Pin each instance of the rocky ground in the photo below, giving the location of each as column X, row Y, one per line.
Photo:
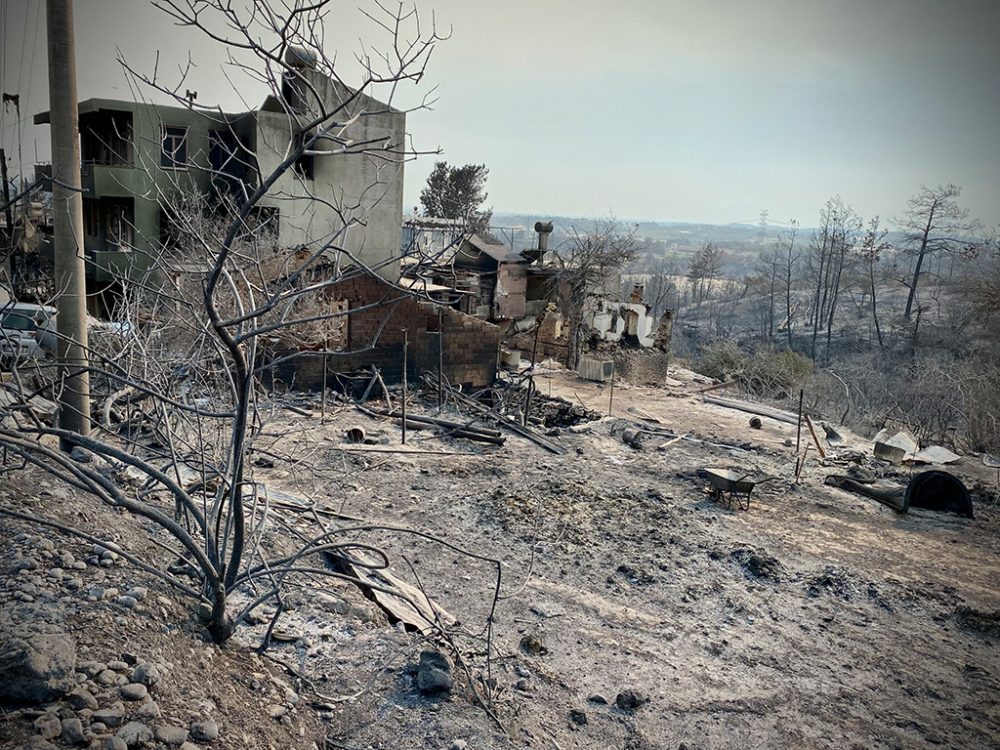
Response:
column 634, row 611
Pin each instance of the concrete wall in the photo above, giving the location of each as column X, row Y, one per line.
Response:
column 365, row 185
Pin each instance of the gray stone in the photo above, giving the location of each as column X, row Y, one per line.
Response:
column 459, row 745
column 133, row 691
column 115, row 743
column 137, row 592
column 117, row 665
column 72, row 732
column 578, row 717
column 434, row 673
column 630, row 700
column 148, row 711
column 128, row 602
column 205, row 731
column 25, row 563
column 111, row 716
column 171, row 735
column 48, row 725
column 135, row 733
column 276, row 711
column 81, row 454
column 146, row 674
column 36, row 668
column 190, row 746
column 107, row 678
column 92, row 668
column 80, row 698
column 37, row 742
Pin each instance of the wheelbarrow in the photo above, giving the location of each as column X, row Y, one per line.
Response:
column 731, row 488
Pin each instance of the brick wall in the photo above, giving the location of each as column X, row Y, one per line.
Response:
column 375, row 337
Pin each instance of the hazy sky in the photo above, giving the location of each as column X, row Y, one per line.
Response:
column 706, row 110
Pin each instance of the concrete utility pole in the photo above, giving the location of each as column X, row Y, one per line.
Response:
column 67, row 205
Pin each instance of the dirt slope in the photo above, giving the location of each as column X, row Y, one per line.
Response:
column 816, row 619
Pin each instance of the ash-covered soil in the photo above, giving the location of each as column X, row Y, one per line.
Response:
column 634, row 612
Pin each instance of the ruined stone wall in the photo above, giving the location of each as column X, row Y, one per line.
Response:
column 375, row 337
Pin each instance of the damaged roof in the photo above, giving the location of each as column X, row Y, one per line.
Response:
column 495, row 249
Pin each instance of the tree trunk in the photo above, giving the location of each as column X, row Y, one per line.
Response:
column 916, row 271
column 878, row 329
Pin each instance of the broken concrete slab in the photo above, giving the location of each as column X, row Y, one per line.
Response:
column 895, row 447
column 933, row 454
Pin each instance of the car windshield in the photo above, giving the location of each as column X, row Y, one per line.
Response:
column 15, row 322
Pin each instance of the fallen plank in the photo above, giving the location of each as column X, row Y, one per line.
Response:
column 717, row 386
column 751, row 408
column 409, row 606
column 644, row 415
column 390, row 449
column 402, row 601
column 40, row 406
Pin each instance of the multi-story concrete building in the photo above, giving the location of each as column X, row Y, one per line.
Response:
column 138, row 156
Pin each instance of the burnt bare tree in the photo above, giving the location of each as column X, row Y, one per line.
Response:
column 933, row 225
column 184, row 405
column 829, row 256
column 588, row 266
column 790, row 260
column 872, row 251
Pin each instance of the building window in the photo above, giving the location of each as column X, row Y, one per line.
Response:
column 119, row 227
column 305, row 165
column 91, row 218
column 174, row 152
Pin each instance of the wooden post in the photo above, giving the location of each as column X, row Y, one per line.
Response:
column 322, row 407
column 611, row 398
column 798, row 427
column 440, row 387
column 406, row 343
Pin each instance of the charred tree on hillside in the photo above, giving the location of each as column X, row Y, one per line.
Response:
column 829, row 254
column 872, row 249
column 789, row 267
column 934, row 224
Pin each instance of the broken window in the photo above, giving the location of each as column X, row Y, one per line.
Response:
column 106, row 138
column 174, row 151
column 305, row 165
column 91, row 218
column 119, row 226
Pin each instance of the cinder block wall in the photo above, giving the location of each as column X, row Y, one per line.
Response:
column 375, row 337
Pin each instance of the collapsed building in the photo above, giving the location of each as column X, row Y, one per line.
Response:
column 521, row 290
